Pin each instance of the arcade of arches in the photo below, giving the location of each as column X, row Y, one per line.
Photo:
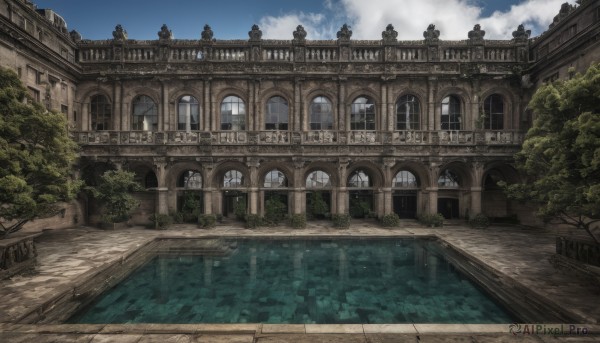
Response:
column 455, row 189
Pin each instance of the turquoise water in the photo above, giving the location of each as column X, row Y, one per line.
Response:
column 325, row 282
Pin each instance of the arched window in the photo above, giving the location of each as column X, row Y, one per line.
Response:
column 363, row 114
column 233, row 114
column 275, row 179
column 144, row 113
column 101, row 113
column 318, row 179
column 233, row 179
column 359, row 179
column 277, row 114
column 451, row 113
column 493, row 108
column 188, row 113
column 321, row 114
column 448, row 179
column 408, row 112
column 190, row 179
column 405, row 179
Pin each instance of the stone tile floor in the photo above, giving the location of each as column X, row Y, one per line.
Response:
column 66, row 256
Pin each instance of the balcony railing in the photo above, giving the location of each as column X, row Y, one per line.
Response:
column 322, row 137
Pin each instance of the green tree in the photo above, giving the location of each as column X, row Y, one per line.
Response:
column 561, row 153
column 36, row 158
column 114, row 192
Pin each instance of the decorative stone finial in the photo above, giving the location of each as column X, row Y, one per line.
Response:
column 389, row 35
column 75, row 36
column 255, row 34
column 344, row 33
column 476, row 35
column 521, row 35
column 431, row 35
column 565, row 9
column 299, row 34
column 207, row 34
column 165, row 33
column 119, row 34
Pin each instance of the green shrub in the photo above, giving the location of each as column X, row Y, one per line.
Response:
column 161, row 221
column 298, row 221
column 341, row 221
column 207, row 221
column 480, row 221
column 317, row 207
column 275, row 211
column 178, row 217
column 253, row 221
column 190, row 207
column 390, row 220
column 359, row 208
column 431, row 219
column 240, row 209
column 219, row 217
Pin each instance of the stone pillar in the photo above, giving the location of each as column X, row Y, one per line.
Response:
column 391, row 106
column 296, row 124
column 342, row 197
column 474, row 108
column 431, row 108
column 123, row 113
column 164, row 124
column 85, row 119
column 208, row 190
column 433, row 199
column 299, row 191
column 207, row 114
column 388, row 163
column 117, row 99
column 476, row 188
column 253, row 189
column 341, row 124
column 162, row 189
column 383, row 124
column 379, row 202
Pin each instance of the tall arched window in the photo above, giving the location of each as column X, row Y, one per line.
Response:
column 359, row 179
column 321, row 114
column 405, row 179
column 451, row 113
column 408, row 112
column 101, row 113
column 233, row 179
column 277, row 114
column 275, row 179
column 233, row 114
column 448, row 179
column 363, row 114
column 493, row 107
column 318, row 179
column 144, row 114
column 190, row 179
column 188, row 113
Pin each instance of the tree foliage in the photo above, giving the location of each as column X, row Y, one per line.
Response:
column 114, row 191
column 561, row 152
column 36, row 157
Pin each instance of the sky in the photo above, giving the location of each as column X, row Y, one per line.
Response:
column 232, row 19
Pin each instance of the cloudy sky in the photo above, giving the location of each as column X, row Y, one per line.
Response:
column 231, row 19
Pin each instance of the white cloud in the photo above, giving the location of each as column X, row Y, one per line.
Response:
column 454, row 19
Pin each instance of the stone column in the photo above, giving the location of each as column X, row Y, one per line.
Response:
column 476, row 188
column 253, row 189
column 299, row 191
column 379, row 202
column 391, row 117
column 431, row 108
column 341, row 124
column 123, row 113
column 384, row 120
column 207, row 115
column 208, row 190
column 297, row 120
column 117, row 99
column 342, row 197
column 434, row 169
column 164, row 124
column 388, row 163
column 162, row 189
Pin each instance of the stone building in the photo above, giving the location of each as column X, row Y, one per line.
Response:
column 389, row 126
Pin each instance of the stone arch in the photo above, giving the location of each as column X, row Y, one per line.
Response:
column 83, row 99
column 494, row 202
column 417, row 168
column 373, row 169
column 225, row 166
column 175, row 170
column 327, row 167
column 454, row 202
column 269, row 166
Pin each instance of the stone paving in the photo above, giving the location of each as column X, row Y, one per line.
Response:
column 69, row 256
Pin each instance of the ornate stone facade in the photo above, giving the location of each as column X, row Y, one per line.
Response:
column 409, row 127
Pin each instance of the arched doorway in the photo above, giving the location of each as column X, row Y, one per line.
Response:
column 190, row 198
column 235, row 201
column 275, row 196
column 448, row 194
column 318, row 195
column 360, row 192
column 404, row 197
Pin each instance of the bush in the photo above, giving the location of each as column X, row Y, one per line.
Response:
column 317, row 207
column 359, row 208
column 178, row 217
column 219, row 217
column 480, row 221
column 161, row 221
column 275, row 211
column 240, row 209
column 390, row 220
column 207, row 221
column 253, row 221
column 190, row 208
column 298, row 221
column 341, row 221
column 432, row 219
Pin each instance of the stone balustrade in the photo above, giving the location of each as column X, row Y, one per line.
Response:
column 320, row 137
column 17, row 254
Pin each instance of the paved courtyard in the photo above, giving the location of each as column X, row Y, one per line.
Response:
column 66, row 257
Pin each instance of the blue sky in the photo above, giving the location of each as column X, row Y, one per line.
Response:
column 232, row 19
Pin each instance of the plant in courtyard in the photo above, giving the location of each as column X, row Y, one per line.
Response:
column 359, row 208
column 390, row 220
column 341, row 221
column 240, row 209
column 207, row 221
column 434, row 220
column 298, row 221
column 161, row 221
column 253, row 221
column 190, row 207
column 561, row 153
column 317, row 207
column 480, row 221
column 36, row 157
column 114, row 192
column 275, row 211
